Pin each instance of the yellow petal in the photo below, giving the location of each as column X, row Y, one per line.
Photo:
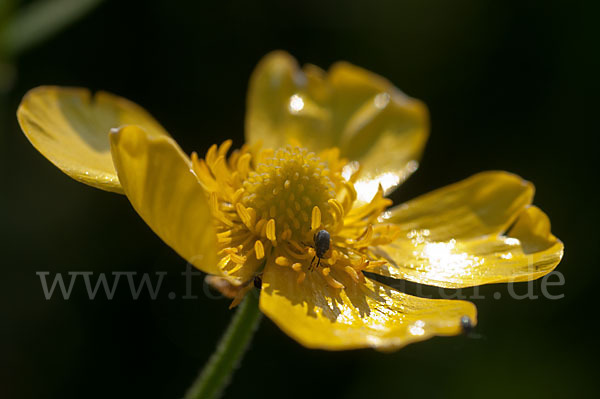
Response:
column 459, row 236
column 360, row 112
column 484, row 203
column 70, row 128
column 360, row 315
column 157, row 179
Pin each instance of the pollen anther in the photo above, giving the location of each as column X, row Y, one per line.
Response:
column 316, row 218
column 282, row 261
column 271, row 230
column 259, row 249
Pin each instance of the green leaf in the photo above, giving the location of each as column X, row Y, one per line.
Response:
column 38, row 21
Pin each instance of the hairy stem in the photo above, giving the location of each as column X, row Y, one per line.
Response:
column 217, row 373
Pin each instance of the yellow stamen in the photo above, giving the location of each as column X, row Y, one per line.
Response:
column 333, row 282
column 287, row 234
column 375, row 263
column 225, row 147
column 282, row 261
column 302, row 254
column 301, row 277
column 244, row 215
column 221, row 173
column 229, row 250
column 211, row 154
column 258, row 228
column 237, row 267
column 360, row 264
column 263, row 230
column 297, row 247
column 352, row 273
column 259, row 249
column 337, row 211
column 271, row 230
column 365, row 237
column 237, row 195
column 243, row 165
column 316, row 218
column 224, row 261
column 216, row 211
column 238, row 259
column 224, row 240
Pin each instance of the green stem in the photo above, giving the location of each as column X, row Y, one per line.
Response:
column 217, row 373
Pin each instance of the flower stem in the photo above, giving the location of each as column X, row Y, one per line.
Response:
column 217, row 373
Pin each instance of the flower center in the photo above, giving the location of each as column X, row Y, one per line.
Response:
column 287, row 187
column 267, row 206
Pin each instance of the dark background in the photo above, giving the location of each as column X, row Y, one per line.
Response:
column 510, row 85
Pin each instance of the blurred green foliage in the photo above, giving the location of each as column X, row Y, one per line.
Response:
column 24, row 27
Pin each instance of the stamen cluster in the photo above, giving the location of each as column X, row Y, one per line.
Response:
column 268, row 204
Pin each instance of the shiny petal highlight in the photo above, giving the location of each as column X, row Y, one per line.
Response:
column 461, row 235
column 70, row 128
column 360, row 112
column 359, row 315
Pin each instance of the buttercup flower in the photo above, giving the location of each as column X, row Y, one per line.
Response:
column 323, row 150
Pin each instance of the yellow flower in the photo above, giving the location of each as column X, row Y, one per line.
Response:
column 324, row 148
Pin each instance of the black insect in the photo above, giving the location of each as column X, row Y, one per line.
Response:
column 258, row 281
column 322, row 242
column 466, row 324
